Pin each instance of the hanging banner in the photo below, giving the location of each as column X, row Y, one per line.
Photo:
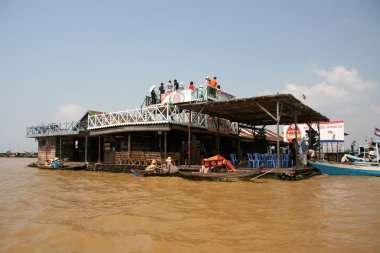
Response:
column 178, row 96
column 224, row 125
column 329, row 131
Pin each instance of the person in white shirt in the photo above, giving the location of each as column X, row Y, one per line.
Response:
column 169, row 86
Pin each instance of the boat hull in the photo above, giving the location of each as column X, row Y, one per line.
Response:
column 347, row 169
column 143, row 173
column 223, row 177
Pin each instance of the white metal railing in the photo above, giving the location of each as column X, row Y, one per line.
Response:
column 205, row 93
column 153, row 114
column 51, row 129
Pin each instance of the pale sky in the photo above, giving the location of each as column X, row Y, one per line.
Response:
column 61, row 58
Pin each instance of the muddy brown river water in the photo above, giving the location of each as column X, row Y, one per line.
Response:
column 74, row 211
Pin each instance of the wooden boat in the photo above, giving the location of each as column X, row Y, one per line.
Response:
column 354, row 169
column 223, row 177
column 143, row 173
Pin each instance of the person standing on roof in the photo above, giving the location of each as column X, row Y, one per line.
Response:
column 213, row 85
column 176, row 85
column 169, row 85
column 200, row 91
column 162, row 90
column 153, row 96
column 207, row 86
column 191, row 85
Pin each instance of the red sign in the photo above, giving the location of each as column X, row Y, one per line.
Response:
column 291, row 133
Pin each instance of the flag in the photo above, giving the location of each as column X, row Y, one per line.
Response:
column 303, row 96
column 377, row 132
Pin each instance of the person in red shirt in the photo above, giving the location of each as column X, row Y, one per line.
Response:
column 191, row 85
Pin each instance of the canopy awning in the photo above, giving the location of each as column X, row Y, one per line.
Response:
column 258, row 111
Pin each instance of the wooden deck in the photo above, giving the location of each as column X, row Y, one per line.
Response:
column 291, row 174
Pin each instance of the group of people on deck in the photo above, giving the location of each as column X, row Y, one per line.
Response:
column 210, row 84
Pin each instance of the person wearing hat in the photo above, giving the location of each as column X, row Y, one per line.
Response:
column 172, row 169
column 181, row 86
column 56, row 163
column 152, row 167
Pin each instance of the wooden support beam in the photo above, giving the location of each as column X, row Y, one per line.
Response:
column 99, row 149
column 267, row 112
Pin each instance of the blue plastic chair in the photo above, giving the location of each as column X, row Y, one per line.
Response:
column 257, row 160
column 233, row 160
column 285, row 160
column 250, row 160
column 271, row 162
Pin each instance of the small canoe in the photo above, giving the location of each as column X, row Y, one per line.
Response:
column 222, row 177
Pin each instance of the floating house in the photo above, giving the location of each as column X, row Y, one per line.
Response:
column 187, row 125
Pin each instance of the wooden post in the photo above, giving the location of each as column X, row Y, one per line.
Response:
column 60, row 147
column 238, row 144
column 278, row 133
column 218, row 139
column 85, row 148
column 129, row 145
column 189, row 140
column 165, row 144
column 296, row 144
column 99, row 149
column 254, row 137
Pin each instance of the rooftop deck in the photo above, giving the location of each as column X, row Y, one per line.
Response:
column 162, row 113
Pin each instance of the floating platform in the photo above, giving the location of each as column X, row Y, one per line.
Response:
column 291, row 174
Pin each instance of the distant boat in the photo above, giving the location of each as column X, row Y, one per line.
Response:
column 353, row 169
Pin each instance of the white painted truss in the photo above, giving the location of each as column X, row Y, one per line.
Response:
column 53, row 129
column 153, row 114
